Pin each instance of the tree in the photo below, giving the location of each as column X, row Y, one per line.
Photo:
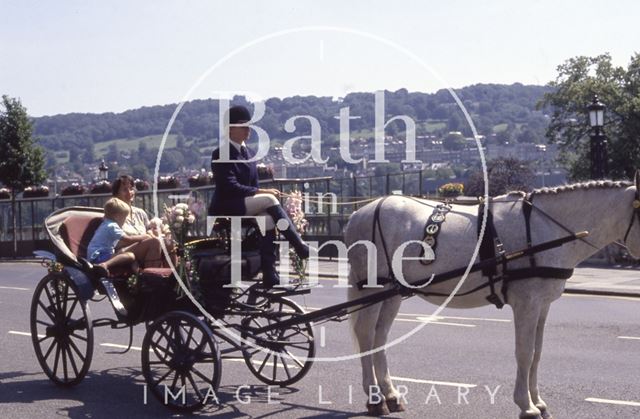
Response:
column 505, row 174
column 453, row 142
column 21, row 162
column 578, row 80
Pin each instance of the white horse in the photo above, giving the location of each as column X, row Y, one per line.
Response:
column 603, row 208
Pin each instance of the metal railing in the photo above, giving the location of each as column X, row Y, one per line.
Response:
column 326, row 220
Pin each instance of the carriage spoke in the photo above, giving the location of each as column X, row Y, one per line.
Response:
column 275, row 365
column 201, row 375
column 195, row 387
column 41, row 322
column 65, row 299
column 157, row 383
column 73, row 362
column 78, row 337
column 183, row 382
column 174, row 382
column 295, row 359
column 73, row 306
column 299, row 346
column 55, row 362
column 64, row 361
column 53, row 343
column 52, row 303
column 286, row 368
column 264, row 362
column 77, row 351
column 42, row 339
column 46, row 310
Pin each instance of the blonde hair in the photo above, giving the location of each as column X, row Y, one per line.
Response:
column 114, row 207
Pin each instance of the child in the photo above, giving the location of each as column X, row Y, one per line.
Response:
column 101, row 249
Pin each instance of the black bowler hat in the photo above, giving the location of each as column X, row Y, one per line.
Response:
column 238, row 115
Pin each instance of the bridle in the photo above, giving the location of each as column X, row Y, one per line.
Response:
column 636, row 207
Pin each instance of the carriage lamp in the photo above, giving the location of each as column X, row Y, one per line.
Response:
column 598, row 140
column 104, row 171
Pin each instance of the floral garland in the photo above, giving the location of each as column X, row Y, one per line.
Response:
column 293, row 207
column 179, row 218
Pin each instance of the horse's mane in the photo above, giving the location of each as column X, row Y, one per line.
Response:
column 592, row 184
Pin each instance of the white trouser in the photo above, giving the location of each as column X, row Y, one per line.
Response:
column 258, row 204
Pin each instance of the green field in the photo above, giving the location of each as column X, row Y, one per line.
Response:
column 130, row 144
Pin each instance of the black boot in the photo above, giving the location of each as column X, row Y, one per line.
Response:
column 268, row 258
column 291, row 234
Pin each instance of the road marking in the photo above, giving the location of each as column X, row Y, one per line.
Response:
column 629, row 337
column 459, row 318
column 485, row 319
column 14, row 288
column 431, row 321
column 439, row 383
column 614, row 297
column 15, row 332
column 607, row 401
column 116, row 345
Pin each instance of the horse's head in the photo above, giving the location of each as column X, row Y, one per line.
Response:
column 632, row 235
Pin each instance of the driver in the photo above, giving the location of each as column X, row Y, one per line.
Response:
column 237, row 193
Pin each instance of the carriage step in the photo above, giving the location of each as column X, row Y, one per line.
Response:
column 113, row 296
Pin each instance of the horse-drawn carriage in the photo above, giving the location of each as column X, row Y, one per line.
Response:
column 180, row 348
column 181, row 357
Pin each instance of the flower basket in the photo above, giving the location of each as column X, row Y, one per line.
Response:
column 451, row 190
column 141, row 185
column 73, row 189
column 35, row 191
column 104, row 186
column 265, row 172
column 201, row 179
column 5, row 193
column 168, row 182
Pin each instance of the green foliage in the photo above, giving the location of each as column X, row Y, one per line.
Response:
column 504, row 174
column 578, row 80
column 453, row 142
column 21, row 162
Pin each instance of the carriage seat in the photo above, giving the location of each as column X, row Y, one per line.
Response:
column 78, row 230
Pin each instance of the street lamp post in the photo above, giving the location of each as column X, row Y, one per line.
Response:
column 104, row 171
column 598, row 140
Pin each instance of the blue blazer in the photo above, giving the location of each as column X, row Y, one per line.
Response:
column 234, row 182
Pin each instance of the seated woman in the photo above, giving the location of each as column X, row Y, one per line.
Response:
column 101, row 249
column 149, row 251
column 237, row 193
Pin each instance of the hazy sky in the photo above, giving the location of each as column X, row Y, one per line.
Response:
column 109, row 56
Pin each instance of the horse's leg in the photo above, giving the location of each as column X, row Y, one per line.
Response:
column 387, row 314
column 526, row 312
column 364, row 328
column 533, row 373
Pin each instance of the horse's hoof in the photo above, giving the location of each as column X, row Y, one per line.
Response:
column 377, row 409
column 544, row 412
column 395, row 405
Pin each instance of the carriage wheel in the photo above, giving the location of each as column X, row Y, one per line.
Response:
column 181, row 362
column 284, row 355
column 61, row 330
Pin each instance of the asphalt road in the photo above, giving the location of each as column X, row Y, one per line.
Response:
column 590, row 366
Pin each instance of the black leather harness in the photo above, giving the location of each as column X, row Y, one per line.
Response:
column 492, row 253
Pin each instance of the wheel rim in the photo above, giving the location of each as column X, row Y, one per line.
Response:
column 284, row 355
column 61, row 330
column 181, row 362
